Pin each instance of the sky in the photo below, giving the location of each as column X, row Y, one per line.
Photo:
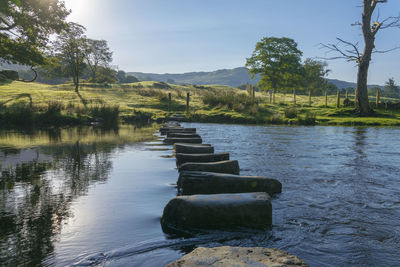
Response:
column 176, row 36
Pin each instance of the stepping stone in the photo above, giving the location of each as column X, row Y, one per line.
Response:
column 226, row 166
column 193, row 148
column 238, row 256
column 183, row 135
column 171, row 141
column 219, row 211
column 166, row 130
column 191, row 183
column 182, row 158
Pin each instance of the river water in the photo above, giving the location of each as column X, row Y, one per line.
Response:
column 89, row 197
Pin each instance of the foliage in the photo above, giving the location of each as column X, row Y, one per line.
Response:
column 391, row 89
column 314, row 76
column 237, row 102
column 291, row 112
column 308, row 118
column 97, row 55
column 25, row 28
column 277, row 60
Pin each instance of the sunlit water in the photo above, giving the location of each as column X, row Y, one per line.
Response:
column 89, row 197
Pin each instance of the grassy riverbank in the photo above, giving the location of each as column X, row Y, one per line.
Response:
column 52, row 105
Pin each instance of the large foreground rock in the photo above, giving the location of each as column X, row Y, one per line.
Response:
column 193, row 148
column 226, row 166
column 182, row 158
column 183, row 135
column 238, row 256
column 190, row 183
column 171, row 141
column 219, row 211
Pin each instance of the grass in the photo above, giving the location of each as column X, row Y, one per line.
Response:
column 143, row 101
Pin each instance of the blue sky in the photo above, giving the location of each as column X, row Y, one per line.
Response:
column 175, row 36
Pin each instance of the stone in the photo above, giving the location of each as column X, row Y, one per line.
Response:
column 191, row 183
column 183, row 135
column 238, row 256
column 217, row 211
column 193, row 148
column 166, row 130
column 226, row 166
column 182, row 158
column 173, row 140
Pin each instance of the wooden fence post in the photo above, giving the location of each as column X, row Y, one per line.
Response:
column 187, row 101
column 347, row 94
column 378, row 97
column 273, row 96
column 326, row 99
column 294, row 96
column 270, row 96
column 309, row 98
column 338, row 99
column 169, row 102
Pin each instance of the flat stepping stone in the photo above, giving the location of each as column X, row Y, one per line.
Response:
column 238, row 256
column 226, row 166
column 173, row 140
column 182, row 158
column 193, row 148
column 191, row 183
column 218, row 211
column 183, row 135
column 166, row 130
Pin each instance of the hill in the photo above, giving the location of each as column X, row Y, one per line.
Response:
column 231, row 77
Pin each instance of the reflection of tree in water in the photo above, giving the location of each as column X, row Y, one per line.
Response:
column 35, row 198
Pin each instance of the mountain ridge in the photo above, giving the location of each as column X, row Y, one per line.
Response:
column 232, row 77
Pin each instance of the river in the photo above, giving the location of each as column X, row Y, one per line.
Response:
column 90, row 197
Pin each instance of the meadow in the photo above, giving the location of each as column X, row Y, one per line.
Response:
column 58, row 105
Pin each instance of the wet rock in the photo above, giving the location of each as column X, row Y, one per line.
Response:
column 218, row 211
column 182, row 158
column 166, row 130
column 190, row 183
column 226, row 166
column 173, row 140
column 238, row 256
column 193, row 148
column 182, row 135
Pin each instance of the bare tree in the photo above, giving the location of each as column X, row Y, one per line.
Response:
column 351, row 52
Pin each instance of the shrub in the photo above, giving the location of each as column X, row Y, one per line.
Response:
column 308, row 118
column 275, row 119
column 231, row 100
column 291, row 113
column 109, row 114
column 161, row 85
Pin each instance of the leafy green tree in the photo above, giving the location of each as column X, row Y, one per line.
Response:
column 331, row 88
column 25, row 29
column 314, row 75
column 131, row 79
column 278, row 61
column 121, row 76
column 391, row 89
column 106, row 75
column 373, row 90
column 97, row 54
column 70, row 53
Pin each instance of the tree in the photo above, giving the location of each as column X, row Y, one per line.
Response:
column 314, row 75
column 70, row 51
column 278, row 61
column 106, row 75
column 131, row 79
column 391, row 89
column 25, row 28
column 121, row 76
column 97, row 54
column 351, row 51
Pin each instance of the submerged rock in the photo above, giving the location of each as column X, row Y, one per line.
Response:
column 171, row 141
column 190, row 183
column 166, row 130
column 193, row 148
column 182, row 158
column 238, row 256
column 226, row 166
column 218, row 211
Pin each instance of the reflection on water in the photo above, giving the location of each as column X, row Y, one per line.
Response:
column 41, row 175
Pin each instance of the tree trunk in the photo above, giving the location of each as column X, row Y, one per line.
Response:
column 362, row 103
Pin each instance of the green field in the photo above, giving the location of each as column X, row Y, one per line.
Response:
column 209, row 103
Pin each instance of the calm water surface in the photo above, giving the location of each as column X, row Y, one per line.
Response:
column 88, row 197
